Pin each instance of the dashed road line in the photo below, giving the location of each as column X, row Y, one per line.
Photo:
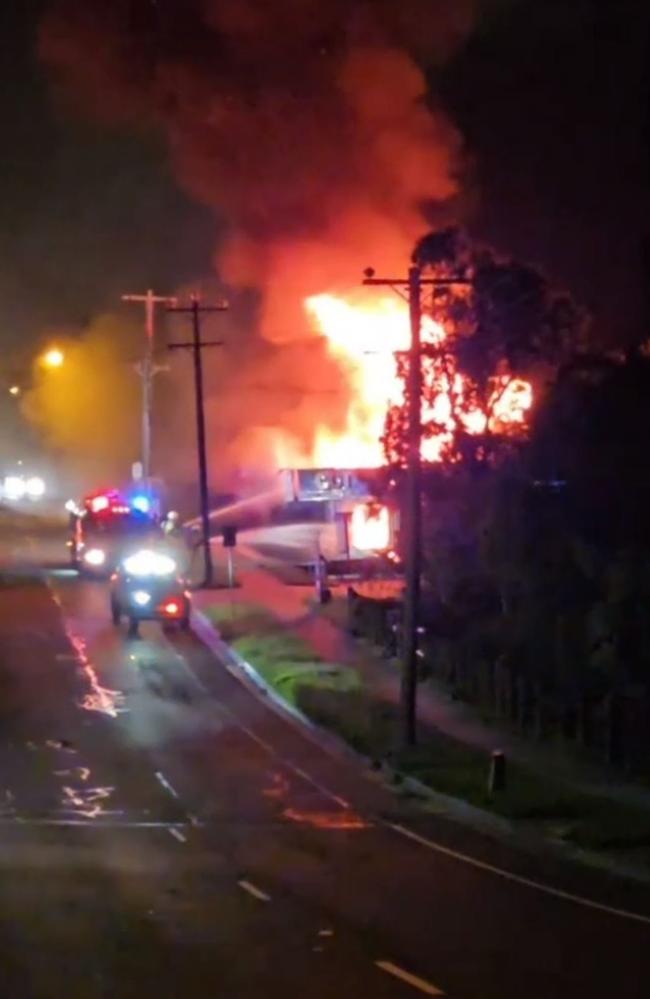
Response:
column 165, row 783
column 418, row 983
column 177, row 834
column 399, row 829
column 482, row 865
column 254, row 891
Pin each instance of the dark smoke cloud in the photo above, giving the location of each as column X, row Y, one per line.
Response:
column 304, row 125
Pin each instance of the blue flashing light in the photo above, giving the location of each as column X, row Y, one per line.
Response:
column 141, row 503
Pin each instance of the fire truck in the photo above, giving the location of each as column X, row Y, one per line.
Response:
column 102, row 526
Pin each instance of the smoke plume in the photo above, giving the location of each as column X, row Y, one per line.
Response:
column 306, row 127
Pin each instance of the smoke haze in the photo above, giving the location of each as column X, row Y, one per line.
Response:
column 87, row 409
column 305, row 127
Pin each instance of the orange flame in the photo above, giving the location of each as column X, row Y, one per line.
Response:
column 370, row 527
column 365, row 335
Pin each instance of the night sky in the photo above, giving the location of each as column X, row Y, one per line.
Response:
column 550, row 98
column 553, row 99
column 86, row 212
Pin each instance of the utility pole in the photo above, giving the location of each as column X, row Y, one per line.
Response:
column 196, row 345
column 413, row 507
column 146, row 370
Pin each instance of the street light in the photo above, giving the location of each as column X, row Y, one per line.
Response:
column 14, row 390
column 53, row 358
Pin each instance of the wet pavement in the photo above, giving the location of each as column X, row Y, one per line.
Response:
column 164, row 834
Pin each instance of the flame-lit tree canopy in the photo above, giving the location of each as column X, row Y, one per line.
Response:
column 491, row 343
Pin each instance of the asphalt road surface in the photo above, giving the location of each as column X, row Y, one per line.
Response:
column 165, row 834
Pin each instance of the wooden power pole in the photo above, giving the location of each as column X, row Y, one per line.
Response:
column 196, row 345
column 413, row 286
column 146, row 370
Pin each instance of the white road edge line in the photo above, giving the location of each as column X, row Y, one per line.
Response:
column 482, row 865
column 406, row 976
column 402, row 830
column 165, row 783
column 177, row 834
column 253, row 736
column 255, row 892
column 17, row 820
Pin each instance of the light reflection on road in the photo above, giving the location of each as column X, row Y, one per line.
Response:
column 339, row 818
column 81, row 773
column 326, row 820
column 101, row 699
column 87, row 802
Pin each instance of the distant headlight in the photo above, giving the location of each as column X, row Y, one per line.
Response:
column 14, row 487
column 35, row 487
column 94, row 556
column 146, row 563
column 141, row 598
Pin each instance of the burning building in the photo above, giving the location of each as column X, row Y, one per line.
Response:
column 310, row 132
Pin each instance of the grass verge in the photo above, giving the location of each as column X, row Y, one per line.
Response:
column 335, row 697
column 283, row 659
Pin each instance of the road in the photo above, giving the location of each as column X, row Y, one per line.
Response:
column 165, row 834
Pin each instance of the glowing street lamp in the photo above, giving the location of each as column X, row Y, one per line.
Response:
column 14, row 390
column 53, row 358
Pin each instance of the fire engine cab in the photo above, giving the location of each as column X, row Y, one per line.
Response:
column 102, row 528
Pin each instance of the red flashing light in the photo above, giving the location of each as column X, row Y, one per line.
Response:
column 105, row 502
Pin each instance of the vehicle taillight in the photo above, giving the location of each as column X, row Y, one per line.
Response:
column 172, row 608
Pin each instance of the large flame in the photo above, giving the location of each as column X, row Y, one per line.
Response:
column 370, row 527
column 365, row 335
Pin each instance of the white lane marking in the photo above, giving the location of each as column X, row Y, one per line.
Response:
column 262, row 743
column 330, row 794
column 177, row 834
column 482, row 865
column 18, row 820
column 255, row 892
column 165, row 783
column 430, row 844
column 406, row 976
column 401, row 830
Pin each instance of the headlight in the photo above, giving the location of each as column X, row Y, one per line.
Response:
column 14, row 487
column 141, row 598
column 35, row 487
column 94, row 556
column 146, row 563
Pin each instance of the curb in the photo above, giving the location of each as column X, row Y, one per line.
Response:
column 395, row 780
column 242, row 670
column 454, row 809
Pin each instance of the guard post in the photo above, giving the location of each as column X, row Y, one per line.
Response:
column 229, row 534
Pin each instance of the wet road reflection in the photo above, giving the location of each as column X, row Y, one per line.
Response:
column 87, row 802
